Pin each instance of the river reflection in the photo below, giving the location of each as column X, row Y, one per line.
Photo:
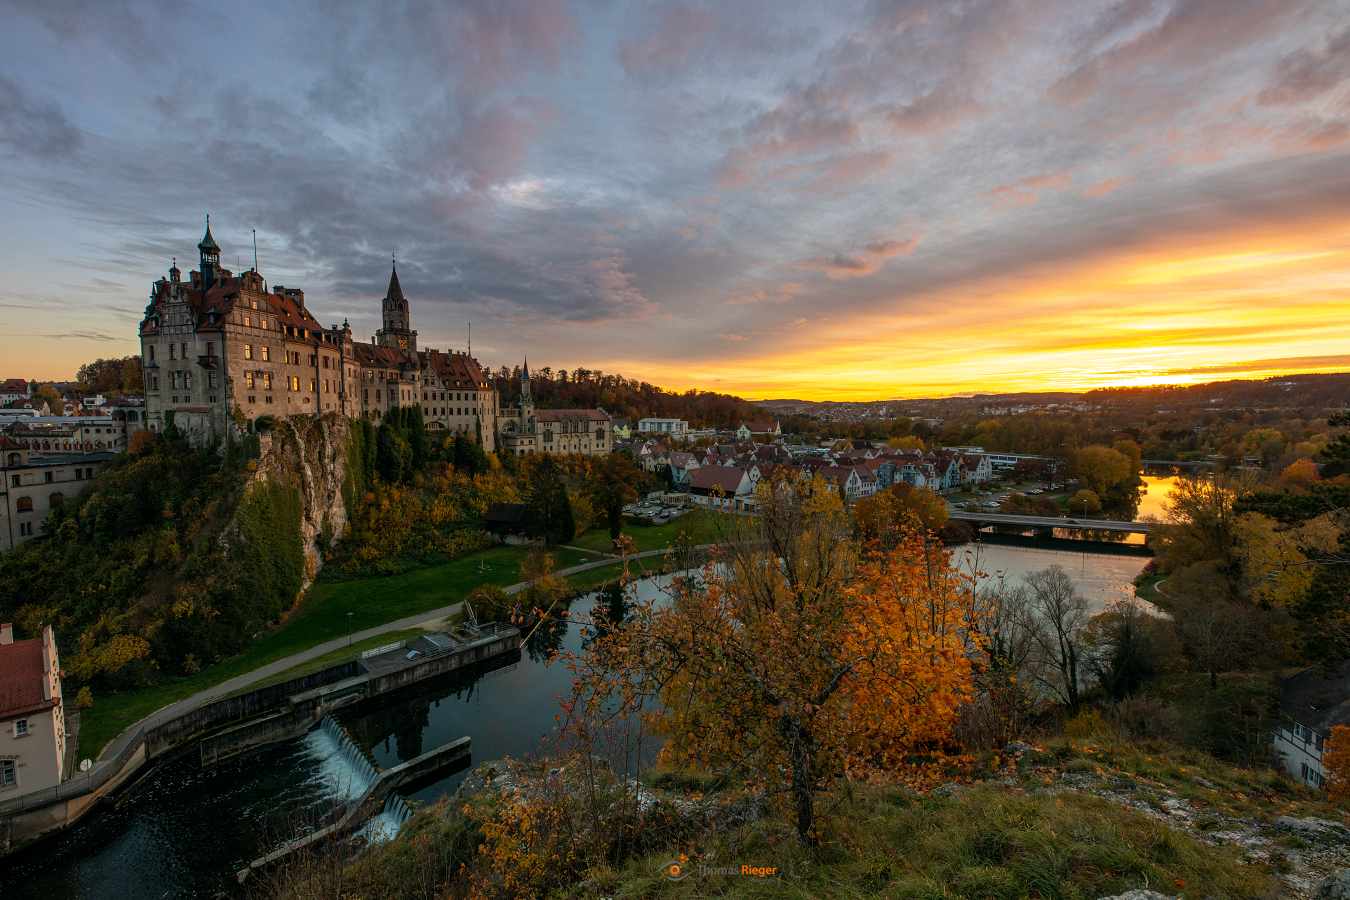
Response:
column 1102, row 578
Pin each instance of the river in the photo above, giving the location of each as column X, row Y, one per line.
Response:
column 183, row 833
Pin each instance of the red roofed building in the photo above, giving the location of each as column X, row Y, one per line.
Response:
column 720, row 486
column 32, row 720
column 589, row 432
column 750, row 429
column 219, row 346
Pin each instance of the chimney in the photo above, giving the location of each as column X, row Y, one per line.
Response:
column 6, row 633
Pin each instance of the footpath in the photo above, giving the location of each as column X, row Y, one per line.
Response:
column 214, row 693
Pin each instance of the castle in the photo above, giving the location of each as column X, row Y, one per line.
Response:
column 220, row 350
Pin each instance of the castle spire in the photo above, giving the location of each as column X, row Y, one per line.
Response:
column 395, row 291
column 210, row 260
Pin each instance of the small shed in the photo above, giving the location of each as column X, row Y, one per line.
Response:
column 505, row 521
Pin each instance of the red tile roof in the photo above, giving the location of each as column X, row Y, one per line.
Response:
column 566, row 415
column 21, row 677
column 727, row 478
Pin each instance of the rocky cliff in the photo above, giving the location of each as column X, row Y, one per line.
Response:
column 310, row 455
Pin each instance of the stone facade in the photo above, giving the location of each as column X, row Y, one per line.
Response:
column 589, row 432
column 220, row 350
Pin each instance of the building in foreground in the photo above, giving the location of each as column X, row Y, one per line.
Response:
column 1311, row 704
column 32, row 718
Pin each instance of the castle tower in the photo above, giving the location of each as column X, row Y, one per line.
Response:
column 526, row 401
column 396, row 332
column 210, row 250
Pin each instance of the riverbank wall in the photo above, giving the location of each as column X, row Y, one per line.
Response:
column 235, row 726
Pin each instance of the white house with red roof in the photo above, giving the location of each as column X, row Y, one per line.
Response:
column 12, row 389
column 752, row 429
column 721, row 486
column 32, row 719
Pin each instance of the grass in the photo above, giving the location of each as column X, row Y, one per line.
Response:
column 1146, row 588
column 323, row 616
column 986, row 843
column 699, row 523
column 989, row 842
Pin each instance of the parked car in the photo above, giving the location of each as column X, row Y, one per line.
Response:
column 988, row 504
column 958, row 506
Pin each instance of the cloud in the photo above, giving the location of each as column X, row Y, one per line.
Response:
column 1108, row 186
column 572, row 176
column 35, row 126
column 1307, row 74
column 1025, row 191
column 668, row 46
column 870, row 258
column 729, row 337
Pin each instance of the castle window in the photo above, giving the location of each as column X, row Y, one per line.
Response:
column 313, row 360
column 255, row 304
column 312, row 383
column 248, row 380
column 210, row 348
column 267, row 354
column 248, row 351
column 211, row 379
column 172, row 350
column 248, row 321
column 152, row 352
column 56, row 500
column 25, row 504
column 267, row 382
column 187, row 381
column 184, row 351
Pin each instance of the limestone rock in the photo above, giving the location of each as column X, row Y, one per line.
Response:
column 1335, row 886
column 1311, row 826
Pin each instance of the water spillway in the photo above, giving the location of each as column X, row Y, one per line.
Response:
column 345, row 765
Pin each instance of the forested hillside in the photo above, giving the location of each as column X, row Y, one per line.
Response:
column 625, row 398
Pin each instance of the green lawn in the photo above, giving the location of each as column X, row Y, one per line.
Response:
column 654, row 537
column 323, row 616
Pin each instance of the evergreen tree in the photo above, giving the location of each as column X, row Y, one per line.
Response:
column 416, row 426
column 548, row 512
column 613, row 482
column 368, row 451
column 393, row 455
column 468, row 456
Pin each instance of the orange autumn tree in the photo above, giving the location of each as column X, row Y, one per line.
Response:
column 1336, row 762
column 789, row 656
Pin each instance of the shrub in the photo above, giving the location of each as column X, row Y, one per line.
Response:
column 1087, row 723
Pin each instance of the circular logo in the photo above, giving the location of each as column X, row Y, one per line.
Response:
column 674, row 871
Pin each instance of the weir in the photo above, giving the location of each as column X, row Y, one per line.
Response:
column 238, row 725
column 377, row 800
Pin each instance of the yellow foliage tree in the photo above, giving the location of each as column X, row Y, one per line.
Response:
column 789, row 657
column 1336, row 762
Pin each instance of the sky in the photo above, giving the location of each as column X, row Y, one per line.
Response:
column 844, row 200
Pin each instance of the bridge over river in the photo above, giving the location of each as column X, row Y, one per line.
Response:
column 1045, row 525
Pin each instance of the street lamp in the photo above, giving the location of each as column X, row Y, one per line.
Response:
column 349, row 629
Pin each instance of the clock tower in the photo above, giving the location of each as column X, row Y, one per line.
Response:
column 396, row 332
